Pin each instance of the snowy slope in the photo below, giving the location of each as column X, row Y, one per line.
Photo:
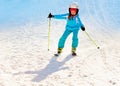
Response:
column 25, row 61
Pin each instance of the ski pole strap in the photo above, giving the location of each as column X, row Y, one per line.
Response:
column 92, row 40
column 49, row 34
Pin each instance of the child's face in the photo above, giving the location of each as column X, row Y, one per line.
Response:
column 73, row 11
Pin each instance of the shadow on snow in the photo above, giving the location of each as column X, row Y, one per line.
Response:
column 51, row 68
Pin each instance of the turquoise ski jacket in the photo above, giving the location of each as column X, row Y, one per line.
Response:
column 72, row 23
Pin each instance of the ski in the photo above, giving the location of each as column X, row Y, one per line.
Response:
column 74, row 54
column 57, row 54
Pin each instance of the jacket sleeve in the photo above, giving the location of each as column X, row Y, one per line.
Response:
column 79, row 21
column 61, row 16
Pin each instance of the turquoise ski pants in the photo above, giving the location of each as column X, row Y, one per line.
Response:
column 67, row 32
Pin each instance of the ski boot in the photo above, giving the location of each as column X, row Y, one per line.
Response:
column 74, row 52
column 59, row 52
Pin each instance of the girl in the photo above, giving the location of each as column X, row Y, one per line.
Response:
column 72, row 26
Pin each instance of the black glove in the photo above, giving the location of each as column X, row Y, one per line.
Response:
column 82, row 28
column 50, row 15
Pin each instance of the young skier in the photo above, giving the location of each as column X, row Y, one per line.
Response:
column 72, row 26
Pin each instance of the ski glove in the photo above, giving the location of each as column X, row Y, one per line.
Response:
column 82, row 28
column 50, row 15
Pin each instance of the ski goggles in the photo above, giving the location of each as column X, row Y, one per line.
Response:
column 73, row 9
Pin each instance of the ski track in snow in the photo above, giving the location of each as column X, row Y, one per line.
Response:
column 25, row 61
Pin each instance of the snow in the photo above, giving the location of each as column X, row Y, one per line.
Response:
column 26, row 61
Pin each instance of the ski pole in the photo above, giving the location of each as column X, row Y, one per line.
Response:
column 49, row 33
column 92, row 40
